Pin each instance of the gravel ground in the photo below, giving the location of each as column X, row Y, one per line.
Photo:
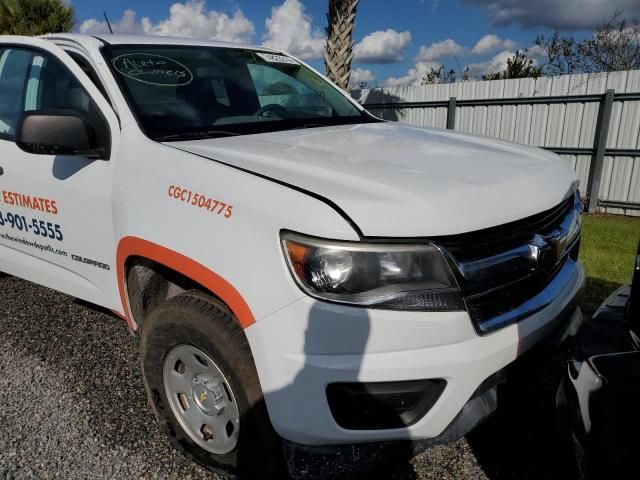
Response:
column 72, row 405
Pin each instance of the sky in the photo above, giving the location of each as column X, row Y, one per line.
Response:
column 396, row 41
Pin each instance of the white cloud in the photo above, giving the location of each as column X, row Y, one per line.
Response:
column 562, row 14
column 361, row 75
column 439, row 50
column 289, row 28
column 413, row 76
column 127, row 24
column 497, row 64
column 192, row 19
column 492, row 43
column 383, row 46
column 535, row 52
column 189, row 19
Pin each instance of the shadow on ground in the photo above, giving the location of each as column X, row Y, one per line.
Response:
column 521, row 440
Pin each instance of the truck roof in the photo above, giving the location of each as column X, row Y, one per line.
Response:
column 121, row 39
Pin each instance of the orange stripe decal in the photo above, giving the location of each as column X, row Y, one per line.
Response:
column 132, row 246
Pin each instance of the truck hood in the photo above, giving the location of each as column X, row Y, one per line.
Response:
column 395, row 180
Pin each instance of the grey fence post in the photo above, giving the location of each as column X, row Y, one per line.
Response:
column 599, row 146
column 451, row 113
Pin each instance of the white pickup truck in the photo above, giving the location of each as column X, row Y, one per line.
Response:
column 301, row 273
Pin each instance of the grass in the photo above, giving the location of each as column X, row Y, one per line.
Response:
column 608, row 250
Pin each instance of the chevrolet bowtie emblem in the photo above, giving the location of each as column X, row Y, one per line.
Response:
column 202, row 397
column 536, row 246
column 544, row 251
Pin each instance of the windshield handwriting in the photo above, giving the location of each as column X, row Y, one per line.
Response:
column 153, row 69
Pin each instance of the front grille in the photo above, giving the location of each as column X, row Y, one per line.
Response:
column 510, row 279
column 490, row 241
column 484, row 307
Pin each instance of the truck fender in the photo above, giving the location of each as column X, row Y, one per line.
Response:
column 138, row 247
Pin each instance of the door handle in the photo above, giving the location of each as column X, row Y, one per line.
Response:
column 1, row 171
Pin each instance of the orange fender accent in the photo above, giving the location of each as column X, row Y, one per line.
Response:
column 132, row 246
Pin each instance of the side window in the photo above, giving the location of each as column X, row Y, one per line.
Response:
column 275, row 86
column 35, row 80
column 15, row 65
column 51, row 86
column 90, row 72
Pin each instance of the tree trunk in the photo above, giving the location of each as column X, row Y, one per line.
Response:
column 339, row 50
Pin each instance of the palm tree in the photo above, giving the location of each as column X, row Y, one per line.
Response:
column 8, row 16
column 339, row 50
column 35, row 17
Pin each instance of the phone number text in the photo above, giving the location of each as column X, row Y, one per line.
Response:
column 38, row 227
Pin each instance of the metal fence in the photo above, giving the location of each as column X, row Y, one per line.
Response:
column 599, row 133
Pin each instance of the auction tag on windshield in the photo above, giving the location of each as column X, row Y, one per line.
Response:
column 273, row 58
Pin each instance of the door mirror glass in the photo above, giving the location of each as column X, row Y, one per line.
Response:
column 56, row 132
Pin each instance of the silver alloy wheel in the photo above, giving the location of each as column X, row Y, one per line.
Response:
column 201, row 399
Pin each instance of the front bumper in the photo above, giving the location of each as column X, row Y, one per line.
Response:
column 302, row 348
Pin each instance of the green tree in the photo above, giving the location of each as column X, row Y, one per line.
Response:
column 439, row 75
column 35, row 17
column 614, row 46
column 518, row 66
column 562, row 54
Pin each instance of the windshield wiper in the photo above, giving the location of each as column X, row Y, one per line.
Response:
column 200, row 134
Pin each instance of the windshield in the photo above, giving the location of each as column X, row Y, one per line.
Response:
column 186, row 92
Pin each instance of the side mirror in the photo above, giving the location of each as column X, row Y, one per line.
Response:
column 56, row 132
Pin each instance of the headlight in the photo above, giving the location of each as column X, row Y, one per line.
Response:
column 390, row 276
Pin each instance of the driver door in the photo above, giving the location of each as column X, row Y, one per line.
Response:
column 56, row 220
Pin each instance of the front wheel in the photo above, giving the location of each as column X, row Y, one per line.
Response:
column 203, row 386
